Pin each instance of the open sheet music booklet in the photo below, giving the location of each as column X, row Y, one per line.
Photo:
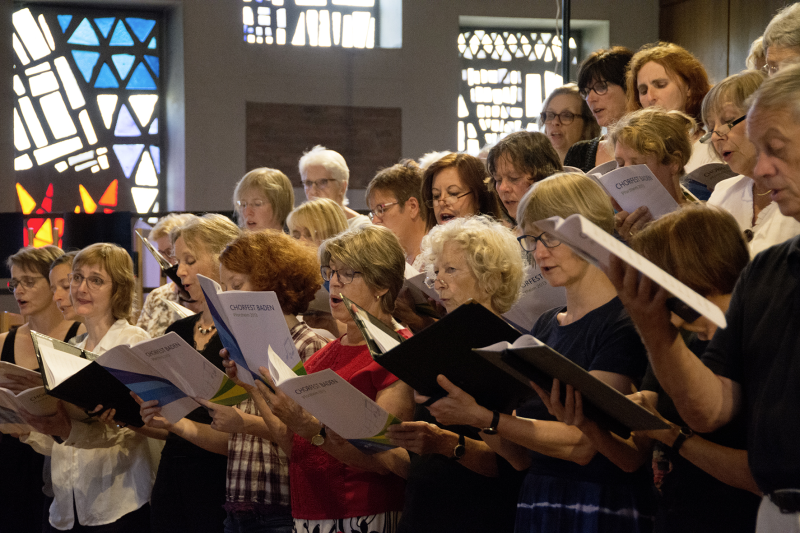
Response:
column 380, row 337
column 171, row 271
column 596, row 246
column 34, row 400
column 166, row 369
column 537, row 297
column 711, row 174
column 247, row 323
column 635, row 186
column 336, row 404
column 530, row 359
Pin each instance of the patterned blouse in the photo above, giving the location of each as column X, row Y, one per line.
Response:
column 156, row 315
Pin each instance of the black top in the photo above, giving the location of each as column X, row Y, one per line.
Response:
column 444, row 496
column 759, row 350
column 606, row 340
column 692, row 500
column 7, row 352
column 175, row 445
column 582, row 154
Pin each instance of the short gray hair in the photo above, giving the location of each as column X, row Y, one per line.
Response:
column 780, row 92
column 331, row 161
column 784, row 28
column 757, row 53
column 492, row 254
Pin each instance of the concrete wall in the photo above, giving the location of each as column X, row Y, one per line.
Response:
column 206, row 104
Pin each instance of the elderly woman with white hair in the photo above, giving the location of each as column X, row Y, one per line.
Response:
column 263, row 199
column 471, row 258
column 325, row 175
column 782, row 39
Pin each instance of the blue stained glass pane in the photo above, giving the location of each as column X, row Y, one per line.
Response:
column 105, row 25
column 155, row 152
column 141, row 27
column 141, row 79
column 106, row 79
column 154, row 127
column 153, row 62
column 128, row 155
column 123, row 62
column 152, row 45
column 63, row 21
column 84, row 34
column 126, row 127
column 86, row 62
column 121, row 36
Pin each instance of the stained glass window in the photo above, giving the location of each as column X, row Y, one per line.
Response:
column 325, row 23
column 86, row 118
column 505, row 78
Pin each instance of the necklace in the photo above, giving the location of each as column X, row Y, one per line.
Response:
column 205, row 331
column 763, row 193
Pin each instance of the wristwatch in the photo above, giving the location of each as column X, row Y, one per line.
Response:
column 319, row 438
column 685, row 433
column 460, row 449
column 492, row 429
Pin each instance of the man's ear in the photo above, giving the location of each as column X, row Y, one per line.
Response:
column 413, row 204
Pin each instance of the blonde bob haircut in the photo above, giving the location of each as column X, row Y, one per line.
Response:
column 566, row 194
column 119, row 266
column 491, row 252
column 735, row 89
column 35, row 259
column 323, row 217
column 376, row 253
column 167, row 223
column 210, row 233
column 653, row 131
column 271, row 183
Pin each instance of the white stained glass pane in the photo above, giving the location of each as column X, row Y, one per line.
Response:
column 495, row 111
column 19, row 88
column 277, row 2
column 54, row 151
column 493, row 76
column 247, row 16
column 474, row 76
column 347, row 31
column 371, row 33
column 516, row 112
column 462, row 107
column 360, row 28
column 462, row 141
column 84, row 166
column 552, row 81
column 61, row 166
column 46, row 31
column 146, row 173
column 336, row 22
column 533, row 95
column 264, row 11
column 32, row 121
column 260, row 40
column 479, row 111
column 143, row 105
column 312, row 21
column 324, row 28
column 280, row 36
column 88, row 129
column 259, row 31
column 354, row 3
column 23, row 162
column 38, row 69
column 497, row 96
column 107, row 104
column 101, row 151
column 264, row 20
column 30, row 34
column 43, row 83
column 503, row 112
column 74, row 94
column 21, row 141
column 473, row 146
column 143, row 198
column 268, row 40
column 103, row 161
column 20, row 50
column 471, row 132
column 95, row 169
column 299, row 38
column 281, row 21
column 251, row 38
column 80, row 158
column 55, row 111
column 312, row 3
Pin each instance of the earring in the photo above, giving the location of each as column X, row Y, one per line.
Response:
column 377, row 297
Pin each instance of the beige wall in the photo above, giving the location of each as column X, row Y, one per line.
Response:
column 206, row 115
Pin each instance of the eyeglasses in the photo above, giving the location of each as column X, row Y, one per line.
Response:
column 255, row 203
column 600, row 88
column 380, row 210
column 770, row 70
column 723, row 130
column 345, row 275
column 93, row 283
column 28, row 283
column 320, row 184
column 430, row 282
column 449, row 200
column 528, row 242
column 565, row 117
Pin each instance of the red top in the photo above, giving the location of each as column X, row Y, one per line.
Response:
column 322, row 487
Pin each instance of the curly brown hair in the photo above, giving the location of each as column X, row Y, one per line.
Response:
column 276, row 262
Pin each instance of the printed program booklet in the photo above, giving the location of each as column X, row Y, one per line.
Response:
column 35, row 400
column 635, row 186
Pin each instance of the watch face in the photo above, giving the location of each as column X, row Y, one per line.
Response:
column 490, row 431
column 317, row 440
column 459, row 451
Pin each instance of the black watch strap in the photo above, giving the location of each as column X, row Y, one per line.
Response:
column 685, row 433
column 492, row 429
column 460, row 449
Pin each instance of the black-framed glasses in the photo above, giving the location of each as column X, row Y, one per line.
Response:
column 380, row 210
column 565, row 117
column 93, row 283
column 449, row 200
column 345, row 275
column 27, row 282
column 723, row 130
column 321, row 184
column 600, row 88
column 528, row 242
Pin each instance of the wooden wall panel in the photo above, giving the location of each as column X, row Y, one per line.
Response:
column 749, row 19
column 700, row 26
column 369, row 138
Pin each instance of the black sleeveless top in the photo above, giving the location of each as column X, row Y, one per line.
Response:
column 7, row 352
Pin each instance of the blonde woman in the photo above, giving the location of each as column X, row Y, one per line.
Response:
column 316, row 220
column 262, row 199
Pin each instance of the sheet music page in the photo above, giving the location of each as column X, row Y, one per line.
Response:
column 635, row 186
column 537, row 297
column 59, row 366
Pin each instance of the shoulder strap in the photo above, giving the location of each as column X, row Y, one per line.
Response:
column 73, row 330
column 7, row 353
